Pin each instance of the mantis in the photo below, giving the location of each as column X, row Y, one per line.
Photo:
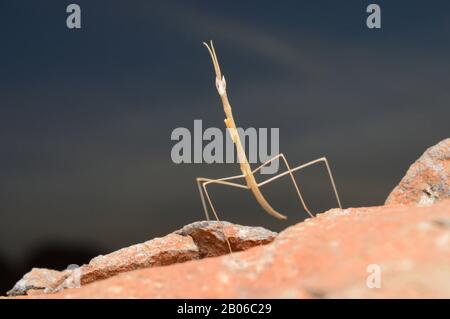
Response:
column 247, row 175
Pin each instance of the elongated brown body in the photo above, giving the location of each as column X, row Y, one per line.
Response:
column 231, row 125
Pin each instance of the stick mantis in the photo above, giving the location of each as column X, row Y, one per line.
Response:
column 247, row 173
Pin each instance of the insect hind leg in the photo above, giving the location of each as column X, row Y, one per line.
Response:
column 291, row 171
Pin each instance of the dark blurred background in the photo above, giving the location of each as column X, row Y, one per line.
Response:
column 86, row 115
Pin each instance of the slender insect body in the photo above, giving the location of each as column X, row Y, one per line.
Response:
column 247, row 172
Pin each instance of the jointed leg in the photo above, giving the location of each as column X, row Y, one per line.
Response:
column 290, row 171
column 223, row 181
column 322, row 159
column 202, row 183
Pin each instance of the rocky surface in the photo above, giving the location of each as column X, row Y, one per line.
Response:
column 427, row 180
column 194, row 241
column 37, row 280
column 400, row 250
column 325, row 257
column 157, row 252
column 209, row 236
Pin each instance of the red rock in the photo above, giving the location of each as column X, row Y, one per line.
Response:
column 428, row 180
column 38, row 280
column 210, row 238
column 194, row 241
column 167, row 250
column 324, row 257
column 35, row 292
